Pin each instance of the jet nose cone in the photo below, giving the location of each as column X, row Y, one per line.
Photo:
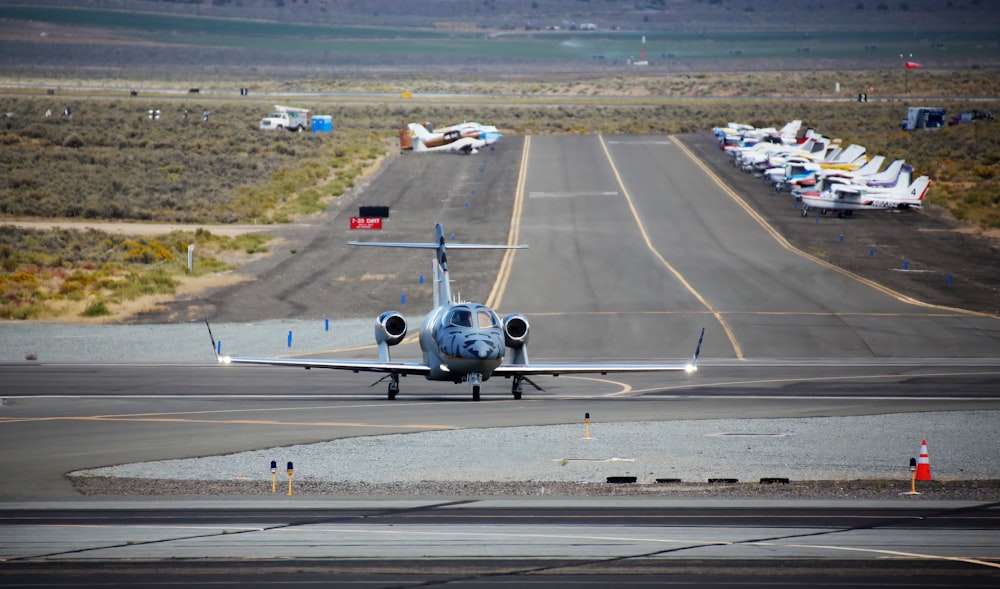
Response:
column 481, row 350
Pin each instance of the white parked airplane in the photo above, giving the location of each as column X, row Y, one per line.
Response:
column 456, row 138
column 738, row 135
column 847, row 198
column 797, row 169
column 461, row 341
column 488, row 133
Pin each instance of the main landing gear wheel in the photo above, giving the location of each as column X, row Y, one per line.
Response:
column 516, row 389
column 393, row 386
column 475, row 393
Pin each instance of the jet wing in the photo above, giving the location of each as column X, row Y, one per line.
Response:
column 530, row 369
column 352, row 365
column 533, row 369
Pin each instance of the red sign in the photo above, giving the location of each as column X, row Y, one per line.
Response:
column 366, row 222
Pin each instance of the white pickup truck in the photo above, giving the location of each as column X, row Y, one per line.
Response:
column 288, row 117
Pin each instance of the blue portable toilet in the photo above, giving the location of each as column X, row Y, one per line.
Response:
column 322, row 124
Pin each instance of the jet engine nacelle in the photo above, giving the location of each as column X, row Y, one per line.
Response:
column 515, row 330
column 390, row 328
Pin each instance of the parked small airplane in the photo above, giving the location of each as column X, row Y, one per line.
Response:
column 488, row 133
column 456, row 139
column 740, row 135
column 461, row 341
column 799, row 171
column 896, row 173
column 806, row 178
column 847, row 198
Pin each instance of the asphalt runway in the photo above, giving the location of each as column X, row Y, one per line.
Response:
column 650, row 248
column 497, row 543
column 633, row 249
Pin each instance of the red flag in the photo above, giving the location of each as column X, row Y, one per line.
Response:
column 912, row 65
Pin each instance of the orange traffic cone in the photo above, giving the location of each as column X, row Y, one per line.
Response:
column 923, row 463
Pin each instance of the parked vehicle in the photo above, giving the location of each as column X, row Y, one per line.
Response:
column 288, row 117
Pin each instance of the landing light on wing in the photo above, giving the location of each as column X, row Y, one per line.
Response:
column 690, row 369
column 225, row 360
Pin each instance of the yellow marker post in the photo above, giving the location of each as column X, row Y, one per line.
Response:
column 913, row 478
column 586, row 426
column 274, row 476
column 290, row 471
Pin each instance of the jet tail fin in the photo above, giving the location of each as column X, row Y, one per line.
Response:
column 442, row 285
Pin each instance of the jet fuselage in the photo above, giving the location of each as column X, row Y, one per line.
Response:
column 461, row 339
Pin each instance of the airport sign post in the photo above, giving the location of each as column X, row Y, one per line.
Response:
column 366, row 222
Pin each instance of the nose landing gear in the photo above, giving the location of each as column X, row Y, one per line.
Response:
column 476, row 380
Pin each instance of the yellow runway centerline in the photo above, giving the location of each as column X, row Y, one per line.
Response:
column 503, row 276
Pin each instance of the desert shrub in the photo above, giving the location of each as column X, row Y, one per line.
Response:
column 97, row 308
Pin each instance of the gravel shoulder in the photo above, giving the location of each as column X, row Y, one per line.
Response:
column 957, row 490
column 688, row 458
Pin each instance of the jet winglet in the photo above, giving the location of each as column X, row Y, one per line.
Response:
column 693, row 366
column 215, row 348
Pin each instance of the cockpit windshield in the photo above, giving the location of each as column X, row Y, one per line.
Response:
column 461, row 317
column 482, row 317
column 486, row 318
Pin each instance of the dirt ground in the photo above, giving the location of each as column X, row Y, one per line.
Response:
column 312, row 273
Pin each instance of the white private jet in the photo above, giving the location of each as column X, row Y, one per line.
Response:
column 461, row 341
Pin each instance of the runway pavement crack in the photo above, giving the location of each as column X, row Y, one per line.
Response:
column 224, row 532
column 655, row 553
column 131, row 544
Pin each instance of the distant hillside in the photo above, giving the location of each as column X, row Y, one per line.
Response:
column 649, row 15
column 488, row 38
